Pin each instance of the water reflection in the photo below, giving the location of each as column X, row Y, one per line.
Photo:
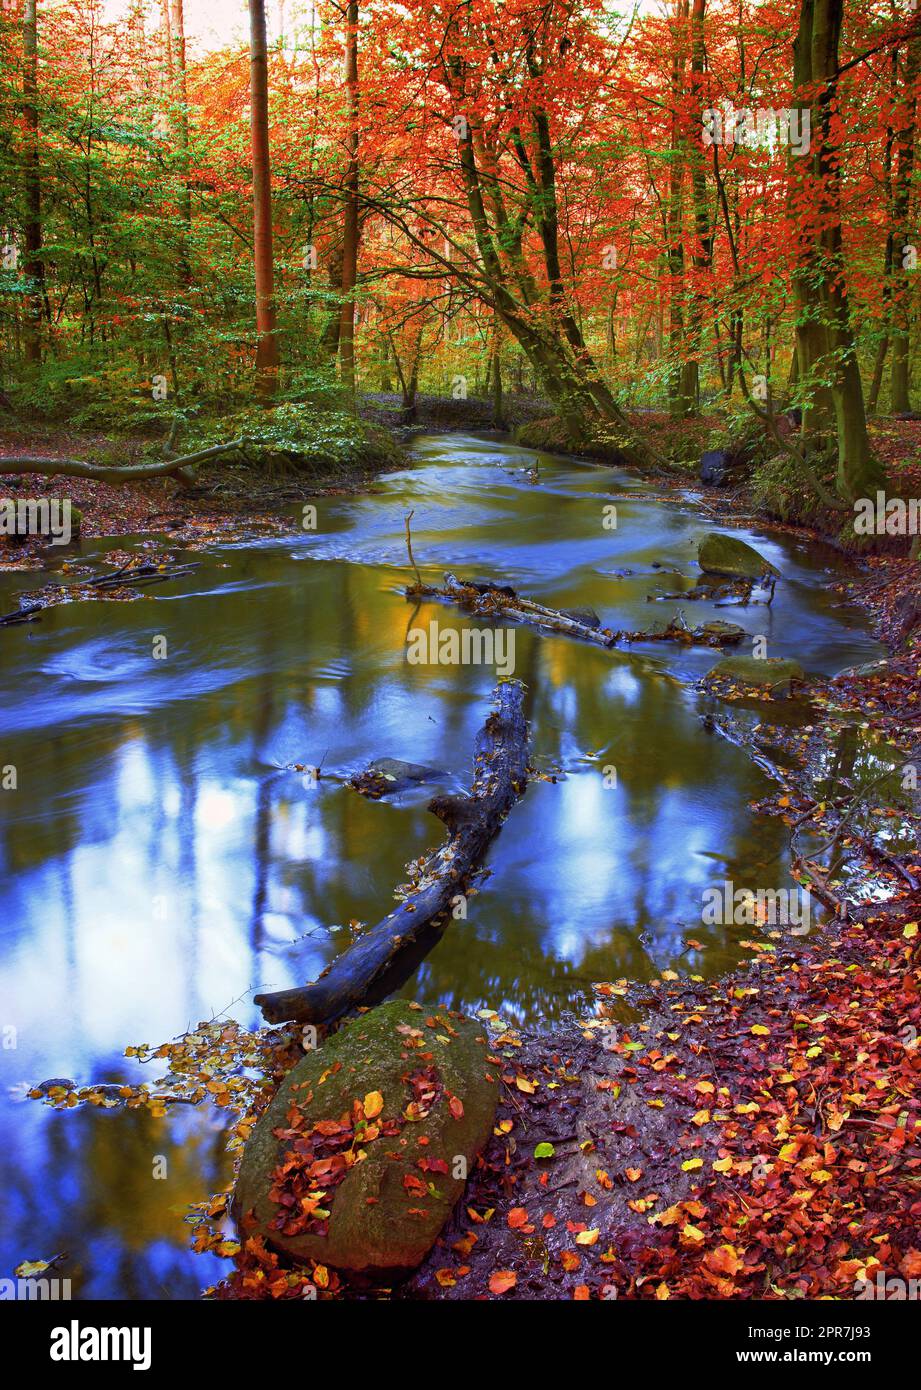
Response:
column 161, row 861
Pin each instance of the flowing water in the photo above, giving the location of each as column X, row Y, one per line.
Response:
column 161, row 859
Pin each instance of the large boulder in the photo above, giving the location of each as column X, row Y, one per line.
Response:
column 732, row 557
column 364, row 1150
column 719, row 467
column 774, row 671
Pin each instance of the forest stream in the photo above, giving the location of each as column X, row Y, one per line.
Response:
column 166, row 856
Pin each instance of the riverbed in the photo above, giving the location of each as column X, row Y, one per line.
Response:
column 165, row 855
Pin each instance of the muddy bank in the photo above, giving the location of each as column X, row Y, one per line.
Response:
column 229, row 498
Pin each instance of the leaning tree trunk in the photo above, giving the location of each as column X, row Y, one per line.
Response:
column 266, row 337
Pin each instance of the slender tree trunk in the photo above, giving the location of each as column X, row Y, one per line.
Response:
column 682, row 386
column 902, row 298
column 702, row 257
column 180, row 96
column 33, row 264
column 350, row 237
column 266, row 337
column 497, row 415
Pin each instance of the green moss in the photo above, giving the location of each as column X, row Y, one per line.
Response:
column 376, row 1221
column 732, row 557
column 774, row 671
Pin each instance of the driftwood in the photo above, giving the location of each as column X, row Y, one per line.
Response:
column 488, row 600
column 101, row 473
column 365, row 973
column 132, row 575
column 500, row 601
column 22, row 615
column 128, row 577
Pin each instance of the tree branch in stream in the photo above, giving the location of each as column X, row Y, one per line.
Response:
column 488, row 600
column 369, row 970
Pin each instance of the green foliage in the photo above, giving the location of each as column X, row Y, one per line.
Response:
column 300, row 438
column 742, row 434
column 86, row 397
column 779, row 487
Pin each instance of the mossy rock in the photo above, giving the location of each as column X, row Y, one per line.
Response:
column 774, row 671
column 732, row 557
column 388, row 776
column 720, row 634
column 386, row 1213
column 549, row 434
column 867, row 669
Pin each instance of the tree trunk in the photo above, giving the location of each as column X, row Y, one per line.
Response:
column 33, row 264
column 703, row 232
column 902, row 297
column 350, row 237
column 266, row 337
column 682, row 385
column 826, row 345
column 180, row 96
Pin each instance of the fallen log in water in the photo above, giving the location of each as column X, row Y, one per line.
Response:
column 500, row 601
column 489, row 600
column 361, row 974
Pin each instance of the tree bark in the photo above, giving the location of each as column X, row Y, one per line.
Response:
column 826, row 345
column 180, row 96
column 266, row 334
column 905, row 234
column 78, row 468
column 350, row 237
column 33, row 264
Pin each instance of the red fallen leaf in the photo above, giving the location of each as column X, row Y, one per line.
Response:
column 414, row 1185
column 516, row 1218
column 502, row 1280
column 432, row 1165
column 548, row 1221
column 910, row 1265
column 581, row 1292
column 456, row 1106
column 723, row 1260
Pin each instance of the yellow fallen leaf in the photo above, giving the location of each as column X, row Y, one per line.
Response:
column 373, row 1104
